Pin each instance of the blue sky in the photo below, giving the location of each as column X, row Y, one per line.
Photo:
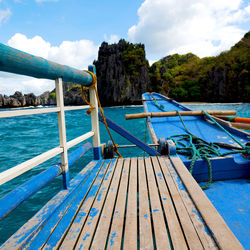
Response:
column 71, row 31
column 61, row 20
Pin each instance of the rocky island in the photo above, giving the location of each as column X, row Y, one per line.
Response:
column 124, row 73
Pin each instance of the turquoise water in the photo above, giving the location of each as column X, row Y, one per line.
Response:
column 25, row 137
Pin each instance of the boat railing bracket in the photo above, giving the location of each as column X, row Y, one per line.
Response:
column 166, row 147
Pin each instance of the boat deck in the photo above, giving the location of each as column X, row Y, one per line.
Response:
column 128, row 203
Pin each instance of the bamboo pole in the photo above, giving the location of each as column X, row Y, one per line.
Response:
column 240, row 125
column 233, row 124
column 183, row 113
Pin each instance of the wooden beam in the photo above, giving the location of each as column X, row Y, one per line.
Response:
column 183, row 113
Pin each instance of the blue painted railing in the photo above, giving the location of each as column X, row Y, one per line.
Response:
column 18, row 62
column 15, row 197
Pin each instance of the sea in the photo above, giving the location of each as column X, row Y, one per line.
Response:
column 24, row 137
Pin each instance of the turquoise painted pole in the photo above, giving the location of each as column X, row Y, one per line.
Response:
column 18, row 62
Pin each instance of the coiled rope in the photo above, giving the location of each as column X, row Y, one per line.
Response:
column 94, row 84
column 196, row 148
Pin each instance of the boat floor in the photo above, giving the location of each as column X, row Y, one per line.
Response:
column 232, row 200
column 128, row 203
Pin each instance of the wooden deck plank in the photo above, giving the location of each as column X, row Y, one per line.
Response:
column 145, row 229
column 130, row 230
column 221, row 232
column 27, row 232
column 160, row 228
column 70, row 235
column 115, row 235
column 186, row 223
column 53, row 221
column 177, row 238
column 88, row 230
column 129, row 203
column 64, row 224
column 204, row 235
column 101, row 234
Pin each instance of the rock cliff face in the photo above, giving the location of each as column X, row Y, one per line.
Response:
column 19, row 100
column 72, row 96
column 122, row 73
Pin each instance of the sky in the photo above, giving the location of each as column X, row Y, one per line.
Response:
column 70, row 31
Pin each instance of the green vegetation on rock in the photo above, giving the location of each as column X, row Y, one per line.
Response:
column 225, row 77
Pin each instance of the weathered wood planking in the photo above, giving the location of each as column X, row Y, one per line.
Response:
column 87, row 233
column 146, row 203
column 115, row 235
column 186, row 223
column 175, row 230
column 101, row 234
column 145, row 229
column 61, row 230
column 28, row 231
column 205, row 238
column 221, row 232
column 75, row 229
column 130, row 230
column 160, row 230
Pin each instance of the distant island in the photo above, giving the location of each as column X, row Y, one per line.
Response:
column 124, row 73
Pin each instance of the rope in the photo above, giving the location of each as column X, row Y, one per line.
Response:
column 245, row 148
column 93, row 84
column 159, row 106
column 197, row 148
column 228, row 133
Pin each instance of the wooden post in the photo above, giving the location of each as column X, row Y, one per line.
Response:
column 94, row 120
column 62, row 132
column 183, row 113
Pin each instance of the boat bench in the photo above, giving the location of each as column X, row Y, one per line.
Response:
column 131, row 203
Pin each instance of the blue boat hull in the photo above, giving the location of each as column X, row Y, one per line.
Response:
column 230, row 167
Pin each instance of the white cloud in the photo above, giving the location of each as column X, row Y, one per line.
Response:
column 4, row 15
column 199, row 26
column 78, row 54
